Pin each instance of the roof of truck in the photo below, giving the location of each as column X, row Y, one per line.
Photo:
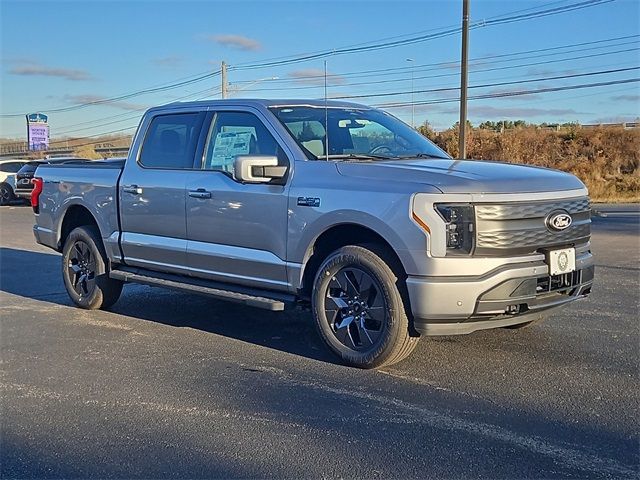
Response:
column 266, row 103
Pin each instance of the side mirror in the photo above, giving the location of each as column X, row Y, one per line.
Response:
column 257, row 168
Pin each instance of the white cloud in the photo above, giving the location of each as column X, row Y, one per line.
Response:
column 315, row 76
column 238, row 42
column 93, row 98
column 34, row 69
column 170, row 61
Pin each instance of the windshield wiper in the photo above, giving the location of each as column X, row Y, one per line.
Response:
column 356, row 156
column 422, row 155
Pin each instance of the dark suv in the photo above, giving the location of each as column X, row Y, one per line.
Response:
column 27, row 172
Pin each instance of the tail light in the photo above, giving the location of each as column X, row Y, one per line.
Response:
column 35, row 194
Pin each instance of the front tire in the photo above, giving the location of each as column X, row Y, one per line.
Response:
column 84, row 270
column 359, row 310
column 6, row 194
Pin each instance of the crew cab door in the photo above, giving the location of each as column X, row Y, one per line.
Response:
column 237, row 232
column 152, row 192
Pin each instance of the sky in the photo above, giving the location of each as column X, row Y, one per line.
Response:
column 57, row 55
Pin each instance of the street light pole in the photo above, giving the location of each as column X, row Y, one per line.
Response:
column 223, row 78
column 463, row 80
column 233, row 89
column 413, row 105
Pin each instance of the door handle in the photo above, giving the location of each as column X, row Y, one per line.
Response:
column 199, row 193
column 135, row 189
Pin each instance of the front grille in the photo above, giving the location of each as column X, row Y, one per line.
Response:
column 532, row 238
column 530, row 210
column 520, row 228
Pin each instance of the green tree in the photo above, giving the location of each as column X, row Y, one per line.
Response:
column 427, row 130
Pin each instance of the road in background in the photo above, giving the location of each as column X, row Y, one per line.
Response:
column 606, row 210
column 169, row 384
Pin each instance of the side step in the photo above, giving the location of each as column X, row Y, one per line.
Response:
column 247, row 296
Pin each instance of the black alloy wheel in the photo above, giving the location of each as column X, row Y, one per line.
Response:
column 82, row 269
column 355, row 308
column 6, row 194
column 85, row 270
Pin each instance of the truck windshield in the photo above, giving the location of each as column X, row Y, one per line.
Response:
column 354, row 134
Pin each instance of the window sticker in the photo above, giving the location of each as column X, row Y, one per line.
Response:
column 228, row 146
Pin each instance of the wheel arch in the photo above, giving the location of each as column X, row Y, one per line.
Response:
column 341, row 235
column 75, row 215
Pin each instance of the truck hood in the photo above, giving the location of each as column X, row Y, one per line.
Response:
column 464, row 176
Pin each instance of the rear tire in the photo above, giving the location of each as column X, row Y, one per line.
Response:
column 359, row 310
column 84, row 270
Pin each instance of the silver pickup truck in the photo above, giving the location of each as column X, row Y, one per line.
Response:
column 331, row 205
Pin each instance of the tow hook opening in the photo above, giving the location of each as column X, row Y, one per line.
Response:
column 512, row 309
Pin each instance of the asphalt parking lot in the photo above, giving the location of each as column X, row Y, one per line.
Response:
column 168, row 384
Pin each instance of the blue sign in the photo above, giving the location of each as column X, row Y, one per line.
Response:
column 37, row 118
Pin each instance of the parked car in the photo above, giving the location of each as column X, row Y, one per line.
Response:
column 8, row 170
column 25, row 174
column 336, row 206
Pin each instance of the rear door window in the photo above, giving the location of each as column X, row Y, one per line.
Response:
column 171, row 141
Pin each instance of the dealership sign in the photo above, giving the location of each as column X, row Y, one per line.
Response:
column 37, row 131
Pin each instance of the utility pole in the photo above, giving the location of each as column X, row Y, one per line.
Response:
column 464, row 64
column 223, row 76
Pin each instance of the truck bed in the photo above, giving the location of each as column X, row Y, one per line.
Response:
column 71, row 185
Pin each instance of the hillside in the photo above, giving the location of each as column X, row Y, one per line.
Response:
column 606, row 159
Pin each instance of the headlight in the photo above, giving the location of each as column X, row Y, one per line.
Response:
column 459, row 220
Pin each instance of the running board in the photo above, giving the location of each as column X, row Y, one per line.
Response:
column 246, row 296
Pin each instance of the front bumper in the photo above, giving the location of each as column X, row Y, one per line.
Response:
column 508, row 295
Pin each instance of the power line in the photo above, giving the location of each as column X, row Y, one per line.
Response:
column 87, row 125
column 497, row 20
column 97, row 135
column 396, row 80
column 499, row 84
column 417, row 91
column 588, row 46
column 410, row 35
column 573, row 97
column 127, row 96
column 130, row 116
column 392, row 71
column 431, row 102
column 510, row 94
column 500, row 20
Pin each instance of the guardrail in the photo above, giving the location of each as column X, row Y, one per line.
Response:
column 625, row 125
column 112, row 151
column 22, row 149
column 12, row 150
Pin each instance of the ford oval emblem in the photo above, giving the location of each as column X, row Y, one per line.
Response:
column 559, row 221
